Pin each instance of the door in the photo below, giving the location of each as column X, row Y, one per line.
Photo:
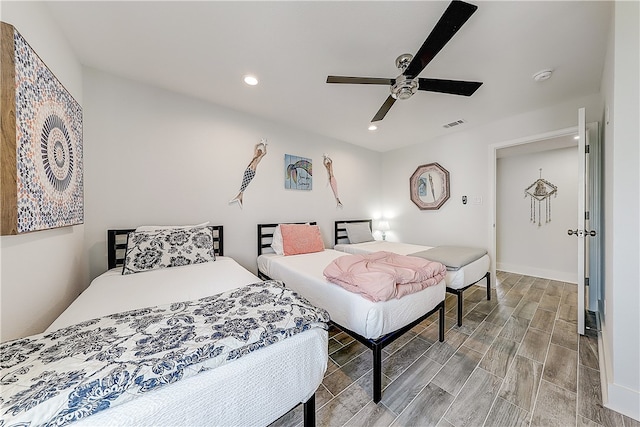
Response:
column 580, row 230
column 589, row 274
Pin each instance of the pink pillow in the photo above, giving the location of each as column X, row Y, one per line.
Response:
column 301, row 239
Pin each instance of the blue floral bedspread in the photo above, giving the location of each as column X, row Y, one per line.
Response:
column 58, row 377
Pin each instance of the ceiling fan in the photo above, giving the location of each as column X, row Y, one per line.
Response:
column 408, row 82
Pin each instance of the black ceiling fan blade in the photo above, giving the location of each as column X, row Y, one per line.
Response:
column 455, row 87
column 384, row 109
column 360, row 80
column 457, row 13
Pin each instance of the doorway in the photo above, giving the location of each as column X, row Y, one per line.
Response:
column 542, row 142
column 536, row 202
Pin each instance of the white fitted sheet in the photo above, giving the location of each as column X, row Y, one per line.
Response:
column 303, row 274
column 457, row 279
column 254, row 390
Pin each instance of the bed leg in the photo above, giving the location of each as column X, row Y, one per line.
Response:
column 377, row 373
column 441, row 322
column 310, row 411
column 488, row 286
column 460, row 302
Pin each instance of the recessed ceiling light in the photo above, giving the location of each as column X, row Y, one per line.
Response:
column 373, row 127
column 250, row 80
column 576, row 137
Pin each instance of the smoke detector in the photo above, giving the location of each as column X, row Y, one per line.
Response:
column 542, row 75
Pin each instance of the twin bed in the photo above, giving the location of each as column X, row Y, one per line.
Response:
column 470, row 265
column 375, row 324
column 255, row 389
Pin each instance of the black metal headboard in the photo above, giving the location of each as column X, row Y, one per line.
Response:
column 117, row 244
column 340, row 232
column 265, row 235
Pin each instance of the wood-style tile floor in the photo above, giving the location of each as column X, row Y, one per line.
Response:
column 517, row 360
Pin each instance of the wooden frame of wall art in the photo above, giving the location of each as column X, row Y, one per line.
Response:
column 429, row 186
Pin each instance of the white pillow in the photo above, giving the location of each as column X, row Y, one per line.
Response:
column 358, row 232
column 169, row 227
column 276, row 243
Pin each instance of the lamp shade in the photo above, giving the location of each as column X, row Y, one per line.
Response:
column 383, row 225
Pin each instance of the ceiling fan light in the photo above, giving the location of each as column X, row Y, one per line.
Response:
column 405, row 93
column 373, row 127
column 404, row 87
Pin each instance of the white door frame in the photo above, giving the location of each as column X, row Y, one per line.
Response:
column 583, row 207
column 493, row 151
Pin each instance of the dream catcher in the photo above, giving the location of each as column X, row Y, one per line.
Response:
column 541, row 191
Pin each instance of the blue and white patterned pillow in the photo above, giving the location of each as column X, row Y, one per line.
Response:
column 154, row 249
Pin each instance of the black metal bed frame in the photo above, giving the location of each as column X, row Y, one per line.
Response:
column 116, row 251
column 375, row 345
column 340, row 234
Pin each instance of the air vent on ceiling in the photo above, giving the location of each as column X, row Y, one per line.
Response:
column 452, row 124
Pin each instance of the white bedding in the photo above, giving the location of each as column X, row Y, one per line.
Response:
column 457, row 279
column 303, row 274
column 113, row 292
column 253, row 390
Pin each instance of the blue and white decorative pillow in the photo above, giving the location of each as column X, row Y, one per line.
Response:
column 154, row 249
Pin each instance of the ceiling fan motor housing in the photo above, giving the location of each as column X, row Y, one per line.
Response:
column 404, row 86
column 403, row 61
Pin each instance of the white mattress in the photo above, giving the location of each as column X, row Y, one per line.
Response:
column 457, row 279
column 254, row 390
column 303, row 274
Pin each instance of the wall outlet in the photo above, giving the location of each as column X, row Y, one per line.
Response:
column 477, row 200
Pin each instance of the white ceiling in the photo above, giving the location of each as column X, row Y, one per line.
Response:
column 203, row 49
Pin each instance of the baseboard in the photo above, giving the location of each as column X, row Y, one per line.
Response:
column 615, row 397
column 561, row 276
column 603, row 359
column 624, row 400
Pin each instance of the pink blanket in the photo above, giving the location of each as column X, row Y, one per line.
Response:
column 380, row 276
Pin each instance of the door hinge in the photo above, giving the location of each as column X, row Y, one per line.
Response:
column 586, row 149
column 586, row 215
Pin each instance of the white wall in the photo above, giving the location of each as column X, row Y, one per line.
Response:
column 621, row 317
column 465, row 155
column 41, row 272
column 522, row 246
column 152, row 156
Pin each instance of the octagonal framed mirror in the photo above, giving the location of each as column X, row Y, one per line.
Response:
column 429, row 186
